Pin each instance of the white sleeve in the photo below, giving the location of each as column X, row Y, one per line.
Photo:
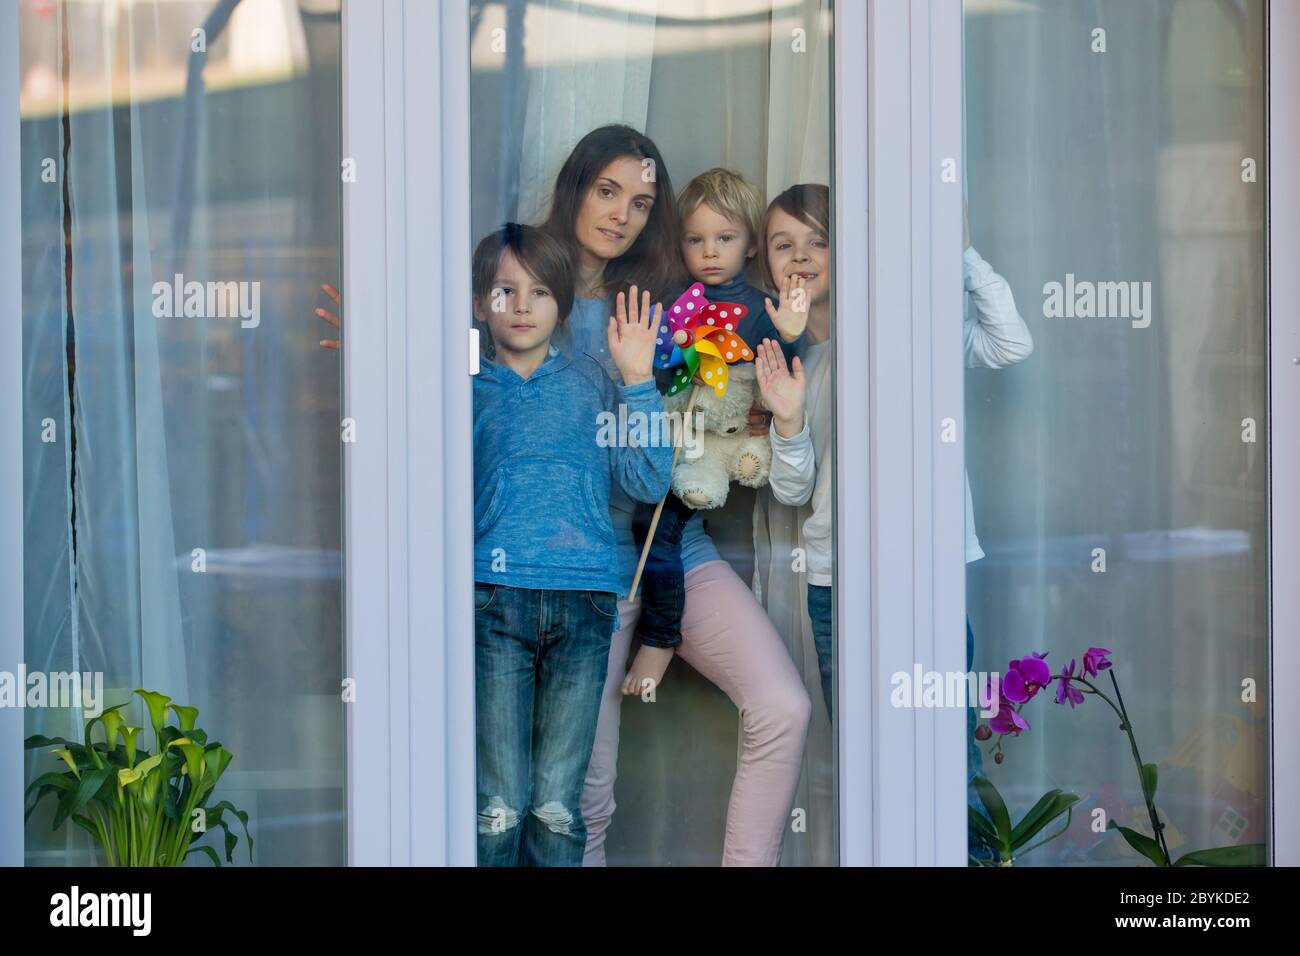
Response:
column 994, row 335
column 794, row 467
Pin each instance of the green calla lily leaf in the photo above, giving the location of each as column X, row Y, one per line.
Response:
column 70, row 802
column 193, row 761
column 217, row 758
column 52, row 779
column 242, row 816
column 86, row 825
column 207, row 851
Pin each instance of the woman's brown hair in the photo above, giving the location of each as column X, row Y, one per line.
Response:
column 653, row 261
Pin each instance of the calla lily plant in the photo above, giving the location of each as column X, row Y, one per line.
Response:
column 141, row 808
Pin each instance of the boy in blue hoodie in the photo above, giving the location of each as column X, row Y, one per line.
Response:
column 545, row 568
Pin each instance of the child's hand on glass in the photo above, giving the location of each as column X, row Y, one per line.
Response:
column 330, row 317
column 783, row 389
column 632, row 333
column 791, row 317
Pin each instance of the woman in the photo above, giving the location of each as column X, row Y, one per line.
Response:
column 614, row 202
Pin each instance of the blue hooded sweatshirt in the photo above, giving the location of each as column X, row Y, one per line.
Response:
column 543, row 473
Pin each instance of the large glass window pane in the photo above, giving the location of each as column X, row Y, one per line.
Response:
column 180, row 211
column 1118, row 474
column 727, row 756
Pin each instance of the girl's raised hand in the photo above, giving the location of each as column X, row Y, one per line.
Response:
column 791, row 318
column 632, row 333
column 783, row 390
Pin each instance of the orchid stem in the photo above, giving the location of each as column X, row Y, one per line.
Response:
column 1122, row 713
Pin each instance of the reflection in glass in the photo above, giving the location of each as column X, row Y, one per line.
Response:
column 1119, row 474
column 183, row 521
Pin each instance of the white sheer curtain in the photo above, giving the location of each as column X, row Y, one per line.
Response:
column 191, row 432
column 798, row 151
column 799, row 96
column 596, row 61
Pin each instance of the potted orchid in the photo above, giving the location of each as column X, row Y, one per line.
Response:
column 998, row 841
column 1021, row 684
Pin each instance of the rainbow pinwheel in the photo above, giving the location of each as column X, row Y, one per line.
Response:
column 697, row 335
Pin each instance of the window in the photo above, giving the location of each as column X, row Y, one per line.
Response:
column 710, row 763
column 180, row 211
column 1118, row 471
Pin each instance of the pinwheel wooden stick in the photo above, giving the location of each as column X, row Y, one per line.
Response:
column 659, row 508
column 696, row 336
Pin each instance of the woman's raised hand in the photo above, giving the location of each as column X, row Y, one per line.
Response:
column 330, row 317
column 791, row 317
column 632, row 333
column 783, row 390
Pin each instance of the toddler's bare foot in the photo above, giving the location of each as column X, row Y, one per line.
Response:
column 647, row 669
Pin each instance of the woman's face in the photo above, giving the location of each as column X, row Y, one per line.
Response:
column 615, row 209
column 795, row 248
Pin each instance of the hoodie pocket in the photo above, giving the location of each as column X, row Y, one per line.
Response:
column 597, row 512
column 494, row 502
column 546, row 505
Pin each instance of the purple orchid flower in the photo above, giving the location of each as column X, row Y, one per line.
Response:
column 1094, row 660
column 1066, row 691
column 1008, row 721
column 1025, row 678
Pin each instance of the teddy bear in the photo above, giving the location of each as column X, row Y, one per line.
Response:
column 724, row 450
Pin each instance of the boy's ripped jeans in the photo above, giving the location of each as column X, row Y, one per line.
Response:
column 540, row 662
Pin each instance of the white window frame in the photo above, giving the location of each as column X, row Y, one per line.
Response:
column 409, row 163
column 904, row 536
column 407, row 498
column 408, row 495
column 1283, row 137
column 11, row 438
column 917, row 572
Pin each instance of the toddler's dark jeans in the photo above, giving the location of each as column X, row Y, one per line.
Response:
column 663, row 582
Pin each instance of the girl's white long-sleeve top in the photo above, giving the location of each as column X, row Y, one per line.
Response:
column 993, row 336
column 803, row 465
